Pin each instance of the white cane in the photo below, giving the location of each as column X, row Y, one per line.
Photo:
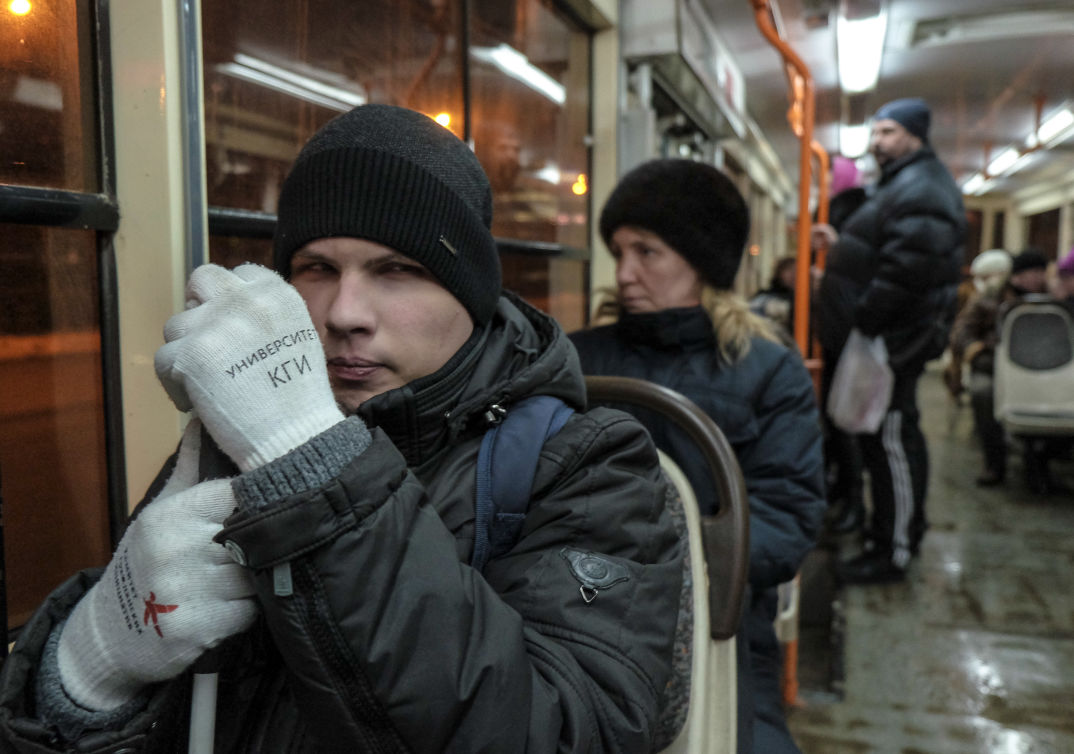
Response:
column 203, row 713
column 211, row 465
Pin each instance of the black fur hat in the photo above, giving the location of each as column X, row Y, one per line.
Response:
column 693, row 207
column 396, row 177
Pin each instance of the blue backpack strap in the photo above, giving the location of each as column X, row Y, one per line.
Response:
column 506, row 464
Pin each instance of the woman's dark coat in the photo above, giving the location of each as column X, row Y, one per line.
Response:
column 765, row 406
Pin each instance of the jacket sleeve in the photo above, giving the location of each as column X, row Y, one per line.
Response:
column 919, row 234
column 24, row 729
column 394, row 643
column 783, row 470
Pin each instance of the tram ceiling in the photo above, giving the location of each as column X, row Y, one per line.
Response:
column 991, row 70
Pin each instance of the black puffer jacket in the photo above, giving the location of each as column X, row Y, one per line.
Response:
column 895, row 269
column 389, row 641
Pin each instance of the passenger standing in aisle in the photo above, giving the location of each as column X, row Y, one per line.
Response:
column 677, row 230
column 842, row 456
column 893, row 271
column 351, row 411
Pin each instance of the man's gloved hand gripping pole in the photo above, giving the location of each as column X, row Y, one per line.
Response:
column 245, row 355
column 168, row 594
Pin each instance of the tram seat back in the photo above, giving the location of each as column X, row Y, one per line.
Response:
column 710, row 725
column 1034, row 372
column 718, row 567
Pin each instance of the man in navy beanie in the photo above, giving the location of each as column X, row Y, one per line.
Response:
column 893, row 272
column 320, row 516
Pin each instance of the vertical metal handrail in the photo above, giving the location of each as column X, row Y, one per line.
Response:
column 801, row 116
column 193, row 134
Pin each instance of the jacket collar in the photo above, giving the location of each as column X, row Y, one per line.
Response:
column 892, row 168
column 521, row 352
column 669, row 328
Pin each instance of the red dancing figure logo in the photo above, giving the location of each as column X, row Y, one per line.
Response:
column 153, row 609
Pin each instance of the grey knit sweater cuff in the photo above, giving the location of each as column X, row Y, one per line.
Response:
column 55, row 706
column 307, row 467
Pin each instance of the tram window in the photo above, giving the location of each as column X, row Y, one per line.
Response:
column 530, row 123
column 231, row 251
column 46, row 92
column 273, row 78
column 998, row 230
column 974, row 224
column 1042, row 232
column 52, row 448
column 555, row 285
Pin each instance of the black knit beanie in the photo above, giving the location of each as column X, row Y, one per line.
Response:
column 693, row 207
column 911, row 113
column 396, row 177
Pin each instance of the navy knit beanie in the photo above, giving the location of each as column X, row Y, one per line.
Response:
column 396, row 177
column 693, row 207
column 911, row 113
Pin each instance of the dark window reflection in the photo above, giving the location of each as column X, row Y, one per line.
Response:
column 1043, row 232
column 275, row 74
column 273, row 78
column 229, row 251
column 46, row 112
column 553, row 284
column 530, row 74
column 52, row 454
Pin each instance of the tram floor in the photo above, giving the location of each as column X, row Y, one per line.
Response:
column 974, row 652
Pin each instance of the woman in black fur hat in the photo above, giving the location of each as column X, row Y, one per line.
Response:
column 677, row 230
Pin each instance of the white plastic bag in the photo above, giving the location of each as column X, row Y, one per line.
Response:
column 861, row 386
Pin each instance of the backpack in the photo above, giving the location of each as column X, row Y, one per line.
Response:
column 506, row 464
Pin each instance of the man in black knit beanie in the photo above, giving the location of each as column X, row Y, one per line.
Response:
column 319, row 516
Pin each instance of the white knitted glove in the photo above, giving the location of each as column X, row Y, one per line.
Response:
column 169, row 594
column 246, row 356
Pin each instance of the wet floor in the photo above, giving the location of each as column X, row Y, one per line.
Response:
column 974, row 653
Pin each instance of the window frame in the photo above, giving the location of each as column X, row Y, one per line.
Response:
column 99, row 212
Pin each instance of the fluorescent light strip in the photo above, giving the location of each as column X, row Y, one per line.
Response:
column 515, row 64
column 549, row 174
column 249, row 74
column 860, row 49
column 353, row 99
column 1058, row 124
column 973, row 184
column 1003, row 162
column 853, row 140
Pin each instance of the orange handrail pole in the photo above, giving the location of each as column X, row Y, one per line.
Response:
column 824, row 180
column 805, row 104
